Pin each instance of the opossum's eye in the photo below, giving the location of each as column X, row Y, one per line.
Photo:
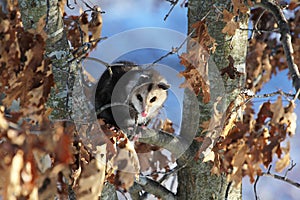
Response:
column 153, row 99
column 139, row 97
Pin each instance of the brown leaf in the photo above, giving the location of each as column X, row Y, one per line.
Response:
column 168, row 126
column 290, row 118
column 264, row 113
column 25, row 73
column 195, row 61
column 240, row 156
column 230, row 70
column 227, row 16
column 284, row 162
column 95, row 25
column 277, row 110
column 124, row 179
column 90, row 182
column 14, row 187
column 231, row 27
column 240, row 6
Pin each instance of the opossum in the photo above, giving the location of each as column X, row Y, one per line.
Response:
column 129, row 96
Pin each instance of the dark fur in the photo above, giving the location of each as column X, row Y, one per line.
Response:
column 127, row 114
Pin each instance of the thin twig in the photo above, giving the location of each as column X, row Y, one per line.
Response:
column 176, row 49
column 173, row 50
column 279, row 92
column 69, row 5
column 227, row 190
column 172, row 172
column 260, row 31
column 255, row 187
column 297, row 95
column 256, row 23
column 286, row 39
column 290, row 169
column 98, row 60
column 282, row 178
column 173, row 3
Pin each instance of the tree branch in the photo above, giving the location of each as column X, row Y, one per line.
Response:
column 173, row 3
column 154, row 188
column 282, row 178
column 165, row 140
column 278, row 177
column 286, row 40
column 57, row 49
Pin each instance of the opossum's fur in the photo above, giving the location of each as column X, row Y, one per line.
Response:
column 128, row 95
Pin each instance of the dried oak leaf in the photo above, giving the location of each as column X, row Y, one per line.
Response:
column 212, row 130
column 195, row 61
column 84, row 28
column 14, row 185
column 90, row 181
column 253, row 142
column 277, row 110
column 128, row 168
column 284, row 162
column 255, row 67
column 168, row 126
column 263, row 114
column 124, row 162
column 95, row 25
column 26, row 74
column 241, row 6
column 230, row 70
column 232, row 113
column 227, row 16
column 293, row 5
column 290, row 118
column 231, row 27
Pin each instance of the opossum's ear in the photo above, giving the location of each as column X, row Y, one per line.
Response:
column 163, row 85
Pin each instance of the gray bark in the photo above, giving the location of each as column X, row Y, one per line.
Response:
column 195, row 180
column 57, row 49
column 65, row 70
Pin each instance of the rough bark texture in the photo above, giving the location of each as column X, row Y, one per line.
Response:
column 196, row 180
column 57, row 49
column 65, row 69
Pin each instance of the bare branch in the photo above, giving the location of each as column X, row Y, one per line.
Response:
column 164, row 140
column 173, row 50
column 297, row 94
column 282, row 178
column 286, row 40
column 155, row 188
column 255, row 24
column 260, row 31
column 227, row 190
column 290, row 169
column 171, row 173
column 176, row 49
column 173, row 3
column 279, row 92
column 278, row 177
column 255, row 188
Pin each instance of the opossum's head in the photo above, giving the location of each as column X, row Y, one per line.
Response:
column 148, row 98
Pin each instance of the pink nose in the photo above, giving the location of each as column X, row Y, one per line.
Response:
column 144, row 114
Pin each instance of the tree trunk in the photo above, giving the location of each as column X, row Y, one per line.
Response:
column 195, row 180
column 57, row 49
column 68, row 92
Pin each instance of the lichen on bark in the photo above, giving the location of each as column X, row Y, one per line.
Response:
column 195, row 179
